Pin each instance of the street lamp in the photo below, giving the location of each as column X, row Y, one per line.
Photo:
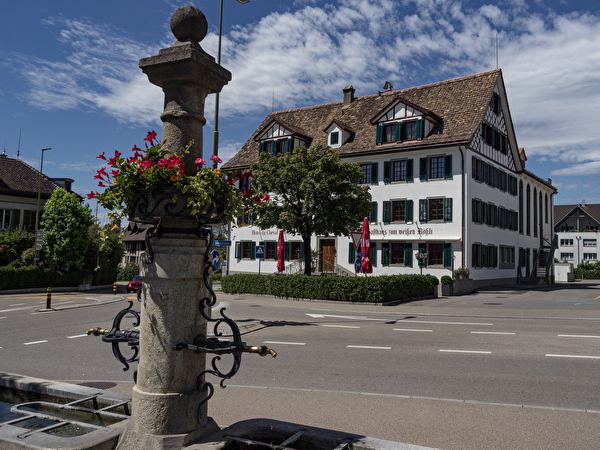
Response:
column 37, row 209
column 215, row 142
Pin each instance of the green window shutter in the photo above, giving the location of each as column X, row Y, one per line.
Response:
column 474, row 210
column 387, row 212
column 423, row 249
column 448, row 166
column 386, row 172
column 409, row 211
column 275, row 258
column 379, row 137
column 474, row 255
column 409, row 170
column 420, row 129
column 398, row 131
column 301, row 256
column 289, row 146
column 374, row 173
column 448, row 209
column 373, row 256
column 287, row 251
column 252, row 250
column 261, row 147
column 447, row 254
column 423, row 210
column 373, row 215
column 408, row 255
column 238, row 250
column 423, row 167
column 351, row 253
column 474, row 169
column 385, row 254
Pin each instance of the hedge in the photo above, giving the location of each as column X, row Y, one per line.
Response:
column 378, row 289
column 33, row 277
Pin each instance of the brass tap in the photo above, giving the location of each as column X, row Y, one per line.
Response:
column 262, row 350
column 97, row 331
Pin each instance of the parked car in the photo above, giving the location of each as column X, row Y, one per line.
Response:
column 135, row 284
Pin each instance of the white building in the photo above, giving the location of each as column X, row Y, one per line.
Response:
column 447, row 179
column 576, row 228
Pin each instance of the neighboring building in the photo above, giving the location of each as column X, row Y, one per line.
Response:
column 447, row 179
column 576, row 228
column 135, row 243
column 19, row 183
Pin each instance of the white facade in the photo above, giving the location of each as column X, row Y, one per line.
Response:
column 577, row 233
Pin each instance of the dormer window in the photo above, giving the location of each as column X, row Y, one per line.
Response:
column 334, row 138
column 278, row 147
column 400, row 131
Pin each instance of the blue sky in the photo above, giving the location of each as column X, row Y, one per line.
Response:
column 70, row 78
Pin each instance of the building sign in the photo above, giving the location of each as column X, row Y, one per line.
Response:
column 402, row 232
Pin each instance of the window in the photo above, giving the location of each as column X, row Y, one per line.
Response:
column 435, row 167
column 334, row 138
column 6, row 216
column 435, row 209
column 566, row 242
column 271, row 250
column 366, row 170
column 398, row 256
column 399, row 131
column 590, row 256
column 401, row 170
column 535, row 213
column 398, row 253
column 409, row 130
column 278, row 147
column 566, row 256
column 245, row 249
column 506, row 256
column 29, row 220
column 398, row 211
column 528, row 206
column 389, row 132
column 435, row 255
column 484, row 255
column 521, row 207
column 589, row 242
column 495, row 104
column 295, row 250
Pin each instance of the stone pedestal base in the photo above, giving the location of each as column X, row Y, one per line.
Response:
column 133, row 440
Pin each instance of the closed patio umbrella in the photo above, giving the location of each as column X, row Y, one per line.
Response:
column 365, row 244
column 280, row 252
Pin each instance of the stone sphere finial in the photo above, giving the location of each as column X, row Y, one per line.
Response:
column 189, row 23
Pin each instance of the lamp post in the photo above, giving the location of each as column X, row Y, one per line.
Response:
column 37, row 209
column 215, row 142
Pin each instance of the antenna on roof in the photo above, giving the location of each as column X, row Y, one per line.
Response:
column 19, row 146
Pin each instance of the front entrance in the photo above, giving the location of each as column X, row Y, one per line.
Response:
column 327, row 260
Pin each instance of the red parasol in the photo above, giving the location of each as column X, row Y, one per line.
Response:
column 280, row 252
column 365, row 244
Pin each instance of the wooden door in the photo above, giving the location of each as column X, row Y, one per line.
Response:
column 328, row 255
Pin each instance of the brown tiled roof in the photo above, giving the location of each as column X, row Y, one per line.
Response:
column 561, row 211
column 19, row 178
column 459, row 103
column 135, row 232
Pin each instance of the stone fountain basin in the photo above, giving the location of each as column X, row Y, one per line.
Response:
column 101, row 438
column 261, row 434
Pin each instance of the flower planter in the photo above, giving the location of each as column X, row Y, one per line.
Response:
column 462, row 286
column 446, row 290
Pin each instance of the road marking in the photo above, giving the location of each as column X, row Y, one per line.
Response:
column 284, row 343
column 451, row 323
column 18, row 304
column 339, row 326
column 3, row 317
column 413, row 329
column 467, row 351
column 16, row 309
column 64, row 303
column 493, row 332
column 368, row 347
column 573, row 356
column 34, row 342
column 322, row 316
column 578, row 336
column 77, row 336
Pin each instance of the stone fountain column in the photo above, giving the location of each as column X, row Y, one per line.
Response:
column 165, row 409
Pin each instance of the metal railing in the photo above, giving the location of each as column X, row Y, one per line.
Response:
column 320, row 266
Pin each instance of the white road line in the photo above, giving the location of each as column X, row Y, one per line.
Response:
column 368, row 347
column 573, row 356
column 450, row 323
column 284, row 343
column 3, row 317
column 467, row 351
column 493, row 332
column 322, row 316
column 339, row 326
column 413, row 329
column 77, row 336
column 16, row 309
column 34, row 342
column 18, row 304
column 578, row 336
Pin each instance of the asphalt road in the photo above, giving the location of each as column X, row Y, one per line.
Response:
column 498, row 369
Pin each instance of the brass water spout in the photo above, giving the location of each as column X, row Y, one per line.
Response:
column 262, row 350
column 97, row 331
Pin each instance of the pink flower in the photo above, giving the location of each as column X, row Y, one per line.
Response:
column 91, row 195
column 200, row 161
column 216, row 158
column 102, row 156
column 151, row 136
column 101, row 184
column 265, row 198
column 114, row 173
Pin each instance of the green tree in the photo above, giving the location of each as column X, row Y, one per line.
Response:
column 12, row 245
column 310, row 192
column 65, row 222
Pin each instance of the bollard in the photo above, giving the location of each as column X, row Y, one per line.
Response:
column 115, row 288
column 48, row 298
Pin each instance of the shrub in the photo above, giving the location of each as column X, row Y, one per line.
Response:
column 35, row 277
column 353, row 289
column 447, row 280
column 128, row 272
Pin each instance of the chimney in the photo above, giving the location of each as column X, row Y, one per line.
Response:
column 387, row 87
column 348, row 95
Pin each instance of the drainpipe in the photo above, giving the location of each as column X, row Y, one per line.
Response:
column 462, row 243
